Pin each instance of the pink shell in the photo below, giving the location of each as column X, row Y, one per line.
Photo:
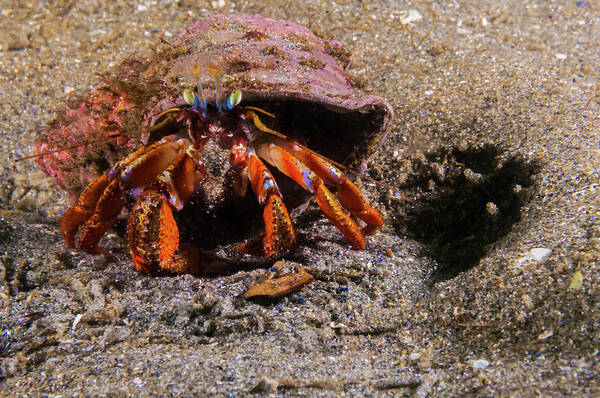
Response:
column 274, row 63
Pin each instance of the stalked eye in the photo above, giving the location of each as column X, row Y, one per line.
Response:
column 190, row 98
column 234, row 99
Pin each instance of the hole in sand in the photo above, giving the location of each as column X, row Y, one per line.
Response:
column 467, row 200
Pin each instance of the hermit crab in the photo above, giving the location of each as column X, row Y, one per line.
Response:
column 262, row 91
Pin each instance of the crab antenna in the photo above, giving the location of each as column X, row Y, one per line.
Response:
column 137, row 133
column 217, row 73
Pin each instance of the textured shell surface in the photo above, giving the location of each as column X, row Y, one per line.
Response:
column 280, row 66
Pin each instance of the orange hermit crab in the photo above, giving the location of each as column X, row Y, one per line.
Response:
column 287, row 75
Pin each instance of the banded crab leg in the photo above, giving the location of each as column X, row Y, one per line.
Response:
column 312, row 172
column 279, row 231
column 100, row 203
column 348, row 194
column 310, row 181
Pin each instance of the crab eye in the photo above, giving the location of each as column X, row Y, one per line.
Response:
column 234, row 99
column 191, row 98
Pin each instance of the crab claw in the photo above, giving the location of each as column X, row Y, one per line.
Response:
column 153, row 239
column 153, row 235
column 151, row 228
column 100, row 203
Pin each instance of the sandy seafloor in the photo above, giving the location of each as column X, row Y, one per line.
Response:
column 495, row 146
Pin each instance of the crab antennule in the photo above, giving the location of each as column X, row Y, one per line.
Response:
column 217, row 73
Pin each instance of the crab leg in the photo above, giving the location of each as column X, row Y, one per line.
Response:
column 279, row 231
column 151, row 229
column 348, row 195
column 100, row 203
column 309, row 180
column 82, row 210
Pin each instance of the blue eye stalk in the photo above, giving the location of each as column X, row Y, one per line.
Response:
column 199, row 104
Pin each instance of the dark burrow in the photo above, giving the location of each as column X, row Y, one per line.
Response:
column 466, row 201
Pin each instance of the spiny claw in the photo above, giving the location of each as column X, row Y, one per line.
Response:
column 151, row 229
column 279, row 232
column 153, row 239
column 152, row 233
column 99, row 205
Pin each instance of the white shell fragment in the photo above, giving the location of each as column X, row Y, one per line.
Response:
column 409, row 16
column 535, row 255
column 480, row 364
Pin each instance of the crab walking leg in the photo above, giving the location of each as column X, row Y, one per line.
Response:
column 99, row 205
column 348, row 195
column 279, row 231
column 151, row 229
column 310, row 181
column 82, row 210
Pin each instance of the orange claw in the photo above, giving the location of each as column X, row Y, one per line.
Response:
column 152, row 233
column 151, row 228
column 99, row 205
column 279, row 231
column 153, row 239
